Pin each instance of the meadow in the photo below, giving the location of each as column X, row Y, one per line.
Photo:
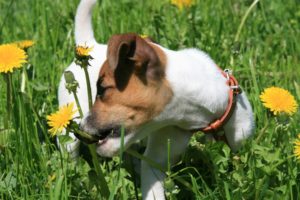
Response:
column 260, row 43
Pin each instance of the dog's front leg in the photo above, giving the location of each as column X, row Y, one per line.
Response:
column 152, row 178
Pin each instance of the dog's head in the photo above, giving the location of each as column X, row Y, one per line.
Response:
column 131, row 91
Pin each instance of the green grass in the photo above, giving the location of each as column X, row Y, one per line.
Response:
column 267, row 53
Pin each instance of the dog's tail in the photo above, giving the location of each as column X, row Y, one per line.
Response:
column 84, row 33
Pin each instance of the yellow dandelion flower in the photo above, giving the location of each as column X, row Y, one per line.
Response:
column 182, row 3
column 279, row 100
column 297, row 147
column 25, row 44
column 11, row 57
column 83, row 51
column 61, row 119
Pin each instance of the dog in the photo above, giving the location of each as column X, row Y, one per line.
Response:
column 152, row 92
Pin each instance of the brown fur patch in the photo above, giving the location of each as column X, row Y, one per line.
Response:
column 136, row 87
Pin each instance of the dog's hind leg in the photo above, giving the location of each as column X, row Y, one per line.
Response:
column 157, row 151
column 241, row 124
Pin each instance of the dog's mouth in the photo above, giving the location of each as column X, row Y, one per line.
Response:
column 105, row 134
column 101, row 136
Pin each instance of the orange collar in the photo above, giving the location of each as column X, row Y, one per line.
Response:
column 234, row 90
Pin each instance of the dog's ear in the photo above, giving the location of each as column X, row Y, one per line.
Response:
column 120, row 48
column 129, row 53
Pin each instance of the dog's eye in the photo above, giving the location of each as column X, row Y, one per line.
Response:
column 100, row 91
column 100, row 88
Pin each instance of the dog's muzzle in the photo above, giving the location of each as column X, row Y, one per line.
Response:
column 99, row 134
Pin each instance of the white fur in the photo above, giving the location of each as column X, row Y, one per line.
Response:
column 83, row 22
column 200, row 96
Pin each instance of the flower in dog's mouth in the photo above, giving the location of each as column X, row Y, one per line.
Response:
column 25, row 44
column 297, row 147
column 83, row 51
column 61, row 119
column 279, row 100
column 182, row 3
column 11, row 57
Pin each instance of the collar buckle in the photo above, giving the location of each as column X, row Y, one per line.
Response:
column 232, row 82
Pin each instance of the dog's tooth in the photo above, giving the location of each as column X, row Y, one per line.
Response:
column 100, row 142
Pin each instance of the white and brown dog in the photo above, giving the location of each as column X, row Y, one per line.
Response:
column 151, row 91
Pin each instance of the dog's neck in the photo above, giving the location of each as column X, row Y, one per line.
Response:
column 200, row 92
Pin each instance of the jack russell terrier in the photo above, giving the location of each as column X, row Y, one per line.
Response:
column 155, row 92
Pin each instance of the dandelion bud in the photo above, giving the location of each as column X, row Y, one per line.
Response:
column 71, row 83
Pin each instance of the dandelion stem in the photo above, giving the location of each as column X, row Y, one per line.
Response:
column 102, row 182
column 88, row 86
column 75, row 129
column 8, row 81
column 169, row 157
column 78, row 104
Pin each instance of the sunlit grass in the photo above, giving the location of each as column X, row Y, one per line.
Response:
column 266, row 54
